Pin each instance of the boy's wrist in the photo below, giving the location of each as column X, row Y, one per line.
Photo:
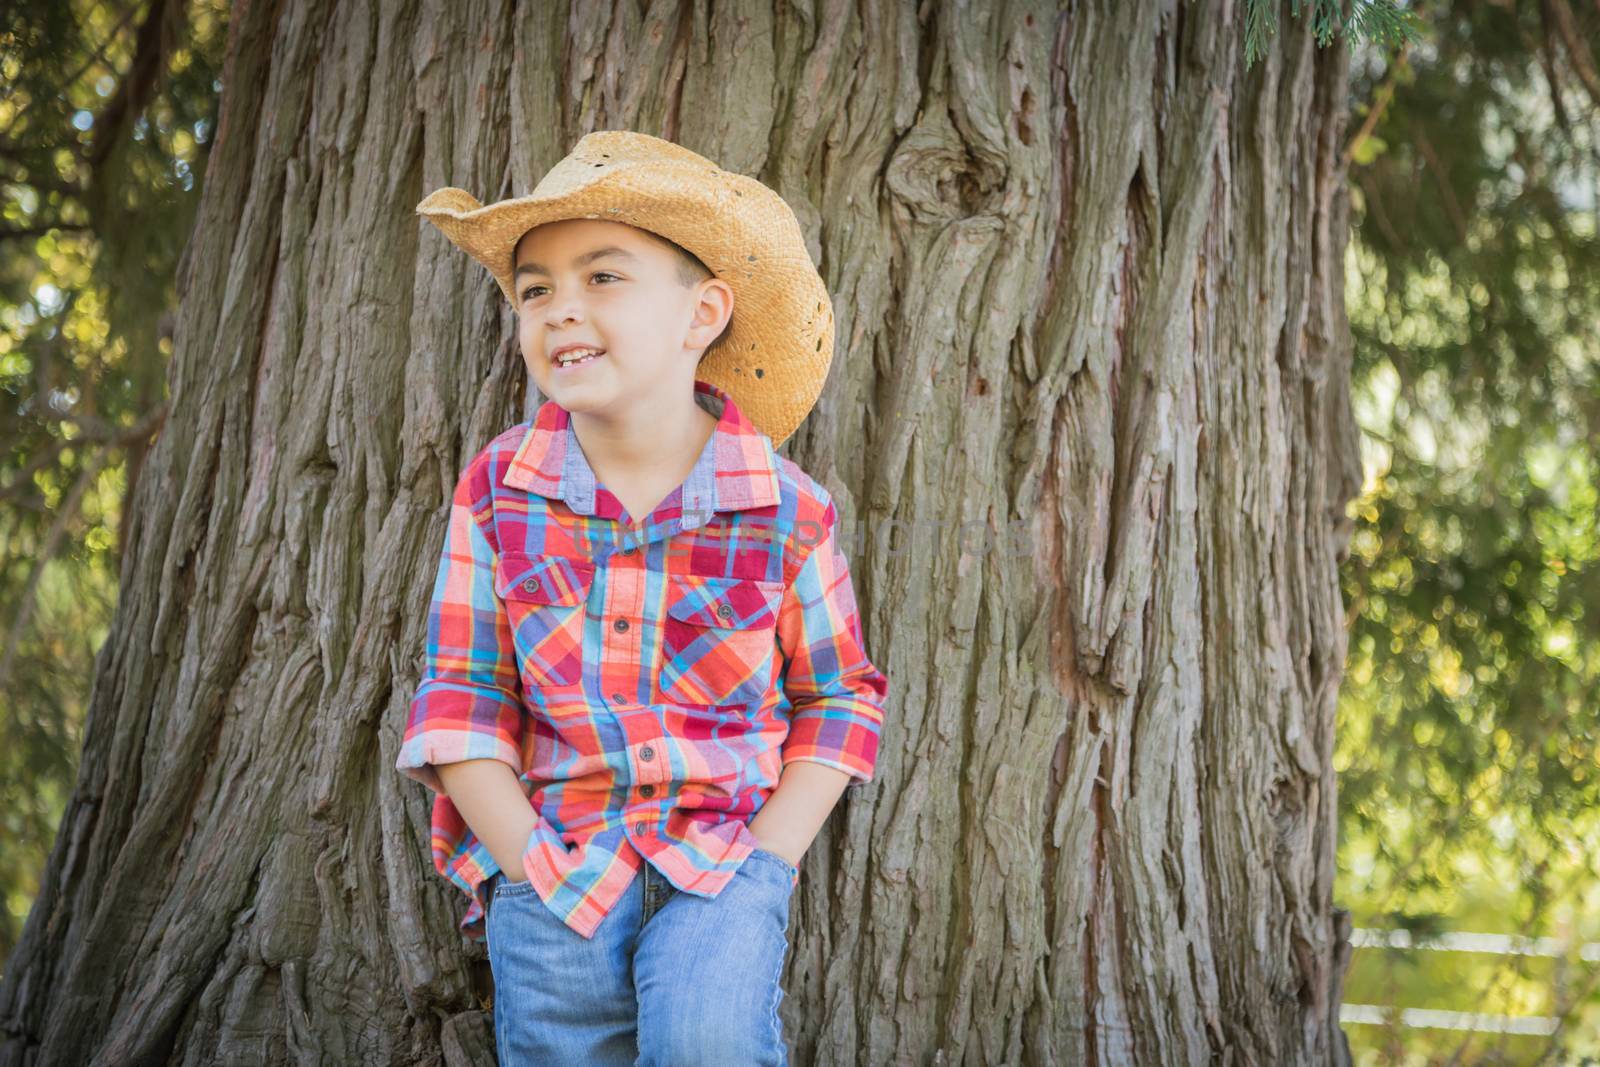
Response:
column 773, row 840
column 512, row 870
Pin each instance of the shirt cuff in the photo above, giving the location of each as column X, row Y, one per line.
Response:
column 449, row 726
column 839, row 734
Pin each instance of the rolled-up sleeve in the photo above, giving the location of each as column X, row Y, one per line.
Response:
column 468, row 704
column 837, row 694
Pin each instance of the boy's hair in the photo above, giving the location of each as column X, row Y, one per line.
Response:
column 691, row 272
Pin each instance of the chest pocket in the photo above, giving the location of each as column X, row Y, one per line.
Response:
column 544, row 598
column 719, row 639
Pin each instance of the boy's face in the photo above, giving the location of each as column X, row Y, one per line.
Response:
column 629, row 302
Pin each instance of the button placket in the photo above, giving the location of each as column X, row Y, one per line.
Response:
column 622, row 596
column 649, row 767
column 652, row 768
column 647, row 756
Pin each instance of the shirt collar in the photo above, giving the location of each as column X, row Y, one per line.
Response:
column 736, row 469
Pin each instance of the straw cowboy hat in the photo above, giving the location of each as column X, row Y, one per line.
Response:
column 774, row 357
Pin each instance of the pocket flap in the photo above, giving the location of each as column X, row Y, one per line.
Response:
column 729, row 603
column 543, row 579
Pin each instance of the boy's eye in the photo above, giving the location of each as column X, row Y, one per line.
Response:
column 527, row 293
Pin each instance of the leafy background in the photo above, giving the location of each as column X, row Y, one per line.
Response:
column 106, row 113
column 1467, row 723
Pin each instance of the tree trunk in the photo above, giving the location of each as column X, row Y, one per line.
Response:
column 1088, row 280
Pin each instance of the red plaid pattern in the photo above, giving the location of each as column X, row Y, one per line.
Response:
column 647, row 680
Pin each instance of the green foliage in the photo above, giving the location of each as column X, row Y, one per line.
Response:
column 105, row 123
column 1467, row 748
column 1377, row 21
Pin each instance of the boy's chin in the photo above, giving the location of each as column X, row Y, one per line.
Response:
column 582, row 390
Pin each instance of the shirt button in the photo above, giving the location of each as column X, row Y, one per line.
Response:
column 628, row 551
column 647, row 790
column 621, row 625
column 647, row 752
column 639, row 828
column 617, row 698
column 724, row 611
column 530, row 585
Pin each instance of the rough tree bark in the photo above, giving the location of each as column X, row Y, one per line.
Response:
column 1087, row 273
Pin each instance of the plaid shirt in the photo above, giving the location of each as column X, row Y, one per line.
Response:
column 647, row 680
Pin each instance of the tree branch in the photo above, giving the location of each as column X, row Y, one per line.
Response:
column 1380, row 103
column 135, row 88
column 42, row 228
column 1579, row 58
column 1442, row 177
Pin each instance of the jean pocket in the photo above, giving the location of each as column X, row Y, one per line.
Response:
column 719, row 639
column 791, row 873
column 544, row 599
column 507, row 888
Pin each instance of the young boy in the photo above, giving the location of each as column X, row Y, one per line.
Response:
column 646, row 685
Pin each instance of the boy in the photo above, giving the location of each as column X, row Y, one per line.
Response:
column 645, row 685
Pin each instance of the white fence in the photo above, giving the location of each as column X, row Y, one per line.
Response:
column 1480, row 1022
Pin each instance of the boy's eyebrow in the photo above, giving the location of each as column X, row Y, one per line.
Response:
column 587, row 257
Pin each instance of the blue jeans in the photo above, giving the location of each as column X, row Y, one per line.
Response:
column 669, row 979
